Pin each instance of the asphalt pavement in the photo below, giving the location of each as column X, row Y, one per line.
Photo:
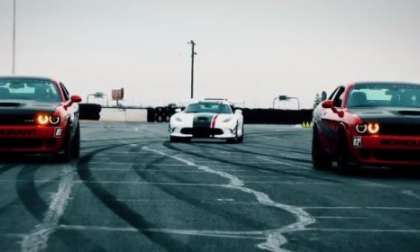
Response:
column 132, row 190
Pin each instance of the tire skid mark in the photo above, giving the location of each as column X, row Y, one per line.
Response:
column 122, row 210
column 178, row 194
column 254, row 235
column 232, row 149
column 7, row 168
column 212, row 158
column 38, row 239
column 275, row 238
column 28, row 195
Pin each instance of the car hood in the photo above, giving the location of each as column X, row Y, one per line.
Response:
column 201, row 119
column 388, row 115
column 26, row 107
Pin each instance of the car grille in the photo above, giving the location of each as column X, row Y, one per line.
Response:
column 201, row 131
column 400, row 129
column 16, row 119
column 26, row 143
column 392, row 155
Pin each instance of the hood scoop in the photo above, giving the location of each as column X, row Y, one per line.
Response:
column 409, row 112
column 10, row 104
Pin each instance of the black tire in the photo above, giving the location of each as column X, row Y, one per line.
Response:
column 235, row 139
column 345, row 163
column 71, row 148
column 66, row 156
column 320, row 160
column 174, row 139
column 75, row 148
column 241, row 138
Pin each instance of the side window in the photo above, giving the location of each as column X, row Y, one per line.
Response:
column 332, row 95
column 339, row 96
column 65, row 92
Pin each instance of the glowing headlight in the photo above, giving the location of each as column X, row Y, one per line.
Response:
column 373, row 128
column 42, row 119
column 226, row 120
column 54, row 120
column 361, row 128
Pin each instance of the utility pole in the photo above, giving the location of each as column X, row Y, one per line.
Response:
column 193, row 53
column 14, row 39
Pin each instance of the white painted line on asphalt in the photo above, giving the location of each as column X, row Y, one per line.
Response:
column 363, row 230
column 255, row 235
column 282, row 163
column 38, row 239
column 411, row 194
column 117, row 182
column 364, row 207
column 226, row 200
column 341, row 217
column 274, row 239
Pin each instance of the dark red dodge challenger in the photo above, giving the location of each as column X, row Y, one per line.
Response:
column 37, row 115
column 371, row 123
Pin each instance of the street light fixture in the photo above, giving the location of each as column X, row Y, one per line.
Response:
column 98, row 95
column 286, row 98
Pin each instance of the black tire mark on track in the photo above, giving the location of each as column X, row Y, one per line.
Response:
column 122, row 210
column 212, row 158
column 207, row 207
column 6, row 168
column 37, row 207
column 233, row 149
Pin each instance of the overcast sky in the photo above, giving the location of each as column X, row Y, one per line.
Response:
column 248, row 50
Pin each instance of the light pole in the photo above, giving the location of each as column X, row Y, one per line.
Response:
column 14, row 39
column 193, row 53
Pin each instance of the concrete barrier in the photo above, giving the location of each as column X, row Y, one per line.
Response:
column 124, row 115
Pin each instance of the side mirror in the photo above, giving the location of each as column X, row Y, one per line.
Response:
column 75, row 99
column 328, row 104
column 177, row 110
column 238, row 111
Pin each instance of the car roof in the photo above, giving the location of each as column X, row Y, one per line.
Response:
column 17, row 77
column 382, row 83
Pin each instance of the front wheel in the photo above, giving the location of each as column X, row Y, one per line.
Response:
column 344, row 160
column 75, row 148
column 71, row 147
column 320, row 159
column 236, row 139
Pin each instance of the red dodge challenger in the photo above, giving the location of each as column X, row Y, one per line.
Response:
column 37, row 115
column 371, row 123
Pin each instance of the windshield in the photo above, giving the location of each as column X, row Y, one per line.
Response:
column 29, row 89
column 209, row 107
column 385, row 95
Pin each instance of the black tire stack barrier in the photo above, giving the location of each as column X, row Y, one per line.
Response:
column 275, row 116
column 160, row 114
column 89, row 111
column 151, row 112
column 251, row 116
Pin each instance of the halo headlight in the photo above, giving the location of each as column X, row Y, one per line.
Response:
column 361, row 128
column 373, row 128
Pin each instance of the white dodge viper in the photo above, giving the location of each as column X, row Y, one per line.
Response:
column 207, row 119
